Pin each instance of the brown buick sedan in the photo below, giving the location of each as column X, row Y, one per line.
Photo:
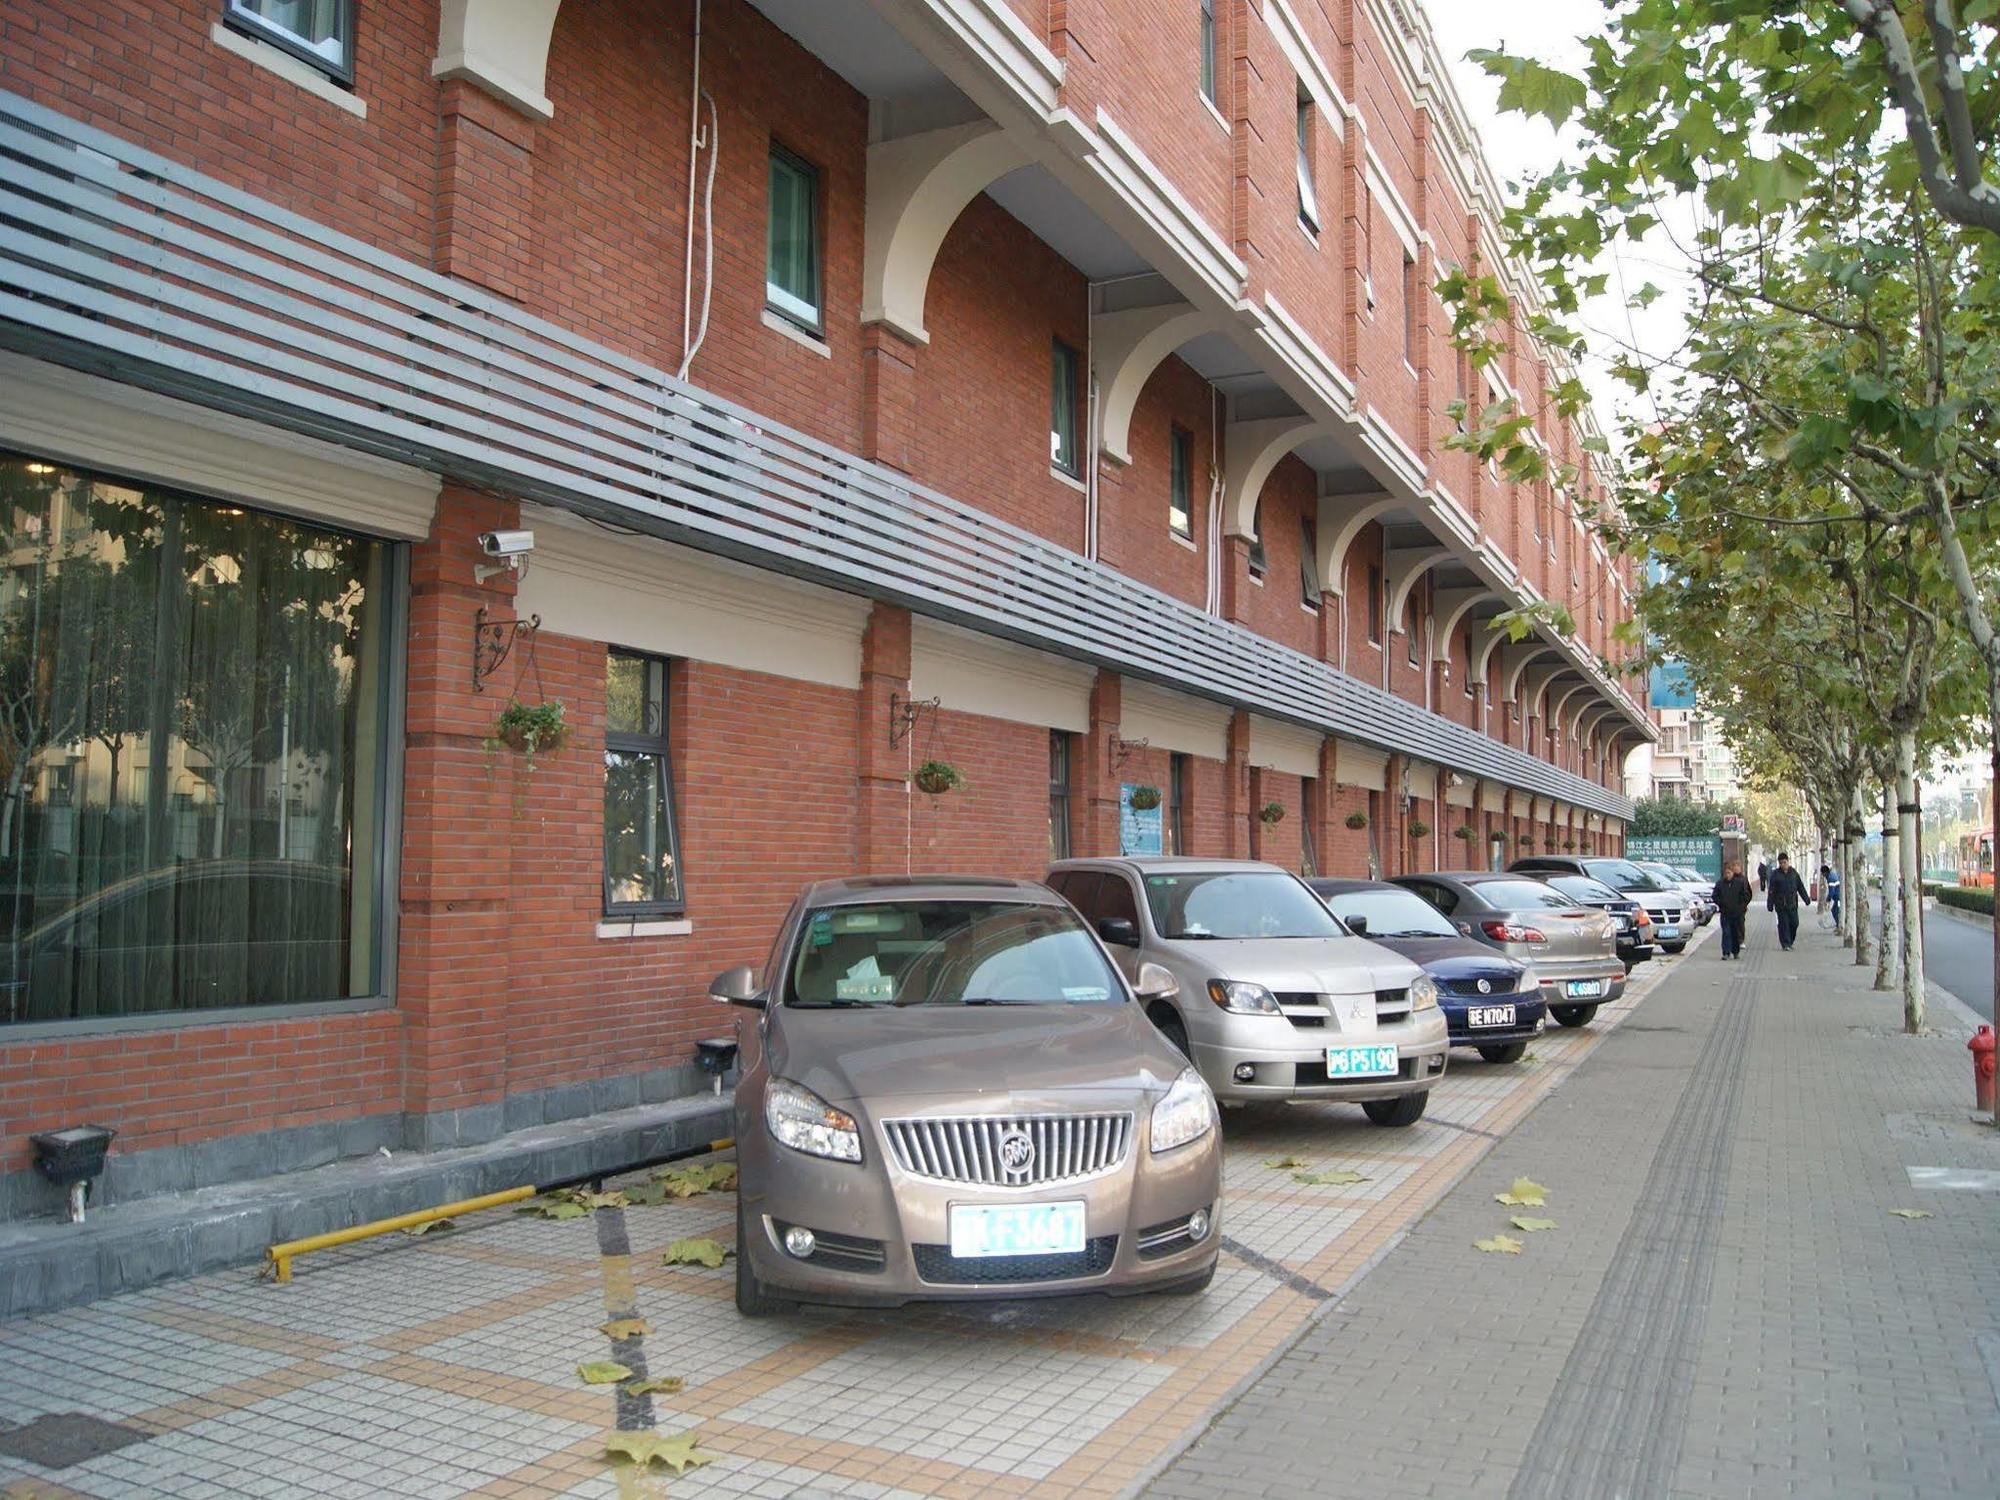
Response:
column 949, row 1091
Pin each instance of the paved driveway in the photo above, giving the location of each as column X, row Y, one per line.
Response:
column 447, row 1365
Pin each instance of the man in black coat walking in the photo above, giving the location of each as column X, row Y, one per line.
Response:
column 1785, row 891
column 1732, row 900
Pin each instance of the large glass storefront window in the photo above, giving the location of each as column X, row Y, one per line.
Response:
column 192, row 713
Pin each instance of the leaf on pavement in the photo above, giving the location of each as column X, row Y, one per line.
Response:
column 1328, row 1179
column 1528, row 1225
column 644, row 1448
column 625, row 1328
column 1286, row 1163
column 701, row 1252
column 1501, row 1244
column 1525, row 1193
column 592, row 1200
column 665, row 1385
column 431, row 1226
column 650, row 1194
column 602, row 1372
column 552, row 1208
column 1911, row 1213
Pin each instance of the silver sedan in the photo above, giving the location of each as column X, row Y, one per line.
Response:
column 1573, row 948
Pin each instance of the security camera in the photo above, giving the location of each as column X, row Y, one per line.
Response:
column 506, row 543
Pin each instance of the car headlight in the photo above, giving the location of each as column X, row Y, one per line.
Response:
column 799, row 1118
column 1423, row 993
column 1242, row 997
column 1187, row 1113
column 1530, row 982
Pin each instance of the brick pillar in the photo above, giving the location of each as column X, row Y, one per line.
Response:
column 1099, row 779
column 882, row 837
column 1237, row 810
column 888, row 397
column 486, row 169
column 459, row 830
column 1236, row 584
column 1393, row 843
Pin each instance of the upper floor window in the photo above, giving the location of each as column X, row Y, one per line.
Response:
column 1210, row 51
column 1309, row 588
column 1308, row 198
column 1374, row 605
column 642, row 872
column 1412, row 311
column 1063, row 384
column 317, row 32
column 791, row 269
column 1258, row 560
column 1180, row 482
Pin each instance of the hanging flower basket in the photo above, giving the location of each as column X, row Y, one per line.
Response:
column 1462, row 833
column 1496, row 836
column 1527, row 841
column 1357, row 820
column 1419, row 828
column 1271, row 812
column 937, row 777
column 1145, row 798
column 1569, row 843
column 531, row 728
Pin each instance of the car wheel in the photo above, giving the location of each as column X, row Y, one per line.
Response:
column 1398, row 1112
column 1512, row 1052
column 1573, row 1015
column 1174, row 1029
column 1675, row 947
column 752, row 1301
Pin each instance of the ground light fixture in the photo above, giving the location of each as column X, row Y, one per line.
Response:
column 717, row 1055
column 73, row 1158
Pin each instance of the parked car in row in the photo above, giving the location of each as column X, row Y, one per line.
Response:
column 1668, row 907
column 1573, row 949
column 1274, row 999
column 1698, row 888
column 1635, row 928
column 1490, row 1001
column 948, row 1090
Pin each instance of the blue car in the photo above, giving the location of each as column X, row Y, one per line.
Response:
column 1490, row 1001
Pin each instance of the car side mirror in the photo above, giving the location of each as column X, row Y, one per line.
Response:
column 1156, row 982
column 737, row 986
column 1121, row 932
column 1357, row 925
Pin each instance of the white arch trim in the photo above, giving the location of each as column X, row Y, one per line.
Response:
column 1402, row 568
column 1342, row 519
column 1451, row 607
column 1562, row 703
column 1482, row 658
column 1516, row 659
column 1128, row 347
column 918, row 185
column 1252, row 451
column 1536, row 681
column 500, row 47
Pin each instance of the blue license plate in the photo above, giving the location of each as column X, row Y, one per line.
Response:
column 1361, row 1062
column 1668, row 932
column 1583, row 989
column 982, row 1229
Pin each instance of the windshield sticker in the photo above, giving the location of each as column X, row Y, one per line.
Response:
column 1085, row 992
column 822, row 929
column 868, row 921
column 1161, row 880
column 865, row 987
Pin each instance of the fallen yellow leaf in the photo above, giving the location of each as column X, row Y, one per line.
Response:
column 1286, row 1163
column 1525, row 1193
column 625, row 1328
column 644, row 1448
column 1911, row 1213
column 665, row 1385
column 1502, row 1244
column 1328, row 1179
column 1529, row 1226
column 702, row 1252
column 603, row 1372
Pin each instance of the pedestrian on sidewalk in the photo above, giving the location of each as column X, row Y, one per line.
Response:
column 1763, row 874
column 1782, row 895
column 1732, row 900
column 1829, row 885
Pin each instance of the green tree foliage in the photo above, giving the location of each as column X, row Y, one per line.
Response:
column 1678, row 817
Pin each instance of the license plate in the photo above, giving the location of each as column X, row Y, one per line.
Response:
column 1669, row 932
column 1361, row 1062
column 987, row 1229
column 1579, row 989
column 1489, row 1015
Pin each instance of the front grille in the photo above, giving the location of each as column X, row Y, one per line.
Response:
column 1392, row 1005
column 1022, row 1151
column 937, row 1265
column 842, row 1252
column 1496, row 984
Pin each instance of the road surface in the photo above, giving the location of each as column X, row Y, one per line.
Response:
column 1959, row 956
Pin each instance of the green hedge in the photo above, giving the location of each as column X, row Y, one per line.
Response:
column 1969, row 898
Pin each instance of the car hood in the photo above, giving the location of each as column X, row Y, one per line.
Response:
column 1320, row 966
column 1450, row 957
column 911, row 1052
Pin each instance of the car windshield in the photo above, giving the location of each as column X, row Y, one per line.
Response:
column 1583, row 888
column 1236, row 904
column 948, row 953
column 1520, row 895
column 1687, row 874
column 1391, row 913
column 1665, row 874
column 1623, row 875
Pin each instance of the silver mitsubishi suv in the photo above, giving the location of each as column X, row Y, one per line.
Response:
column 1277, row 1000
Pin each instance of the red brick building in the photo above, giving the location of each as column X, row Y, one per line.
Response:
column 1051, row 389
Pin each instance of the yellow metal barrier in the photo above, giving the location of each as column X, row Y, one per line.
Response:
column 280, row 1256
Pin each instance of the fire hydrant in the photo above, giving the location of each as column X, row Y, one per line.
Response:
column 1983, row 1066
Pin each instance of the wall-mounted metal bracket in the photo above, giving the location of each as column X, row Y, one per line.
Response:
column 493, row 640
column 1123, row 750
column 903, row 715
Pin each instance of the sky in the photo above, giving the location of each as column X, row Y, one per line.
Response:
column 1547, row 30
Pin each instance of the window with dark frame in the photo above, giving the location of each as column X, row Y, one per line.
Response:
column 319, row 33
column 1063, row 383
column 1258, row 561
column 1411, row 618
column 1177, row 800
column 1411, row 310
column 792, row 258
column 1309, row 585
column 1308, row 799
column 1374, row 605
column 1210, row 48
column 642, row 867
column 1058, row 794
column 1180, row 482
column 1308, row 196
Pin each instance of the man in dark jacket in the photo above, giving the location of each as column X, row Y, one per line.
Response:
column 1732, row 900
column 1785, row 891
column 1763, row 874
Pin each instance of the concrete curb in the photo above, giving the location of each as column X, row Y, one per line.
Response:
column 47, row 1264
